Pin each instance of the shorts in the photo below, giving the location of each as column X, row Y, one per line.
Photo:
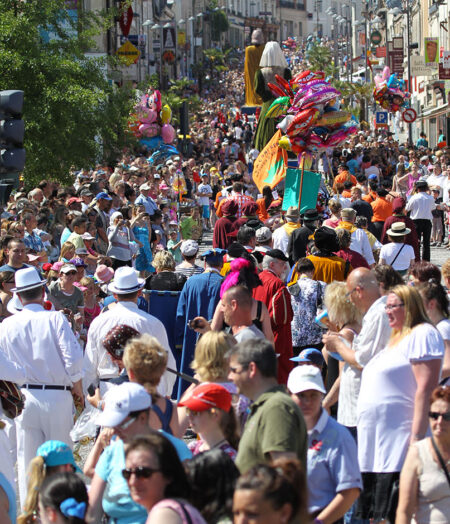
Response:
column 437, row 226
column 205, row 211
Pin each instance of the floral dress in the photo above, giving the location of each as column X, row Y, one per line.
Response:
column 306, row 298
column 144, row 258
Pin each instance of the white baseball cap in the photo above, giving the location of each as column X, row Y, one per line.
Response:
column 122, row 400
column 303, row 378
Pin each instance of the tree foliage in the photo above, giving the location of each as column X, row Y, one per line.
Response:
column 73, row 115
column 320, row 58
column 219, row 25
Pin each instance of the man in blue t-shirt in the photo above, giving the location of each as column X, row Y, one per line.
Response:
column 127, row 411
column 16, row 252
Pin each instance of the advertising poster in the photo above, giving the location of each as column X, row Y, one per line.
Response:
column 431, row 46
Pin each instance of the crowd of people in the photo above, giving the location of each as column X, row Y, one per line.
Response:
column 295, row 371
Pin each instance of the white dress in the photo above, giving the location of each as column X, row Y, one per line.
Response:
column 386, row 400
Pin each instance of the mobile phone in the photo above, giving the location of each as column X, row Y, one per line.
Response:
column 193, row 324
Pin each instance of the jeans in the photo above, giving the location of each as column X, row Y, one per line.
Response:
column 423, row 228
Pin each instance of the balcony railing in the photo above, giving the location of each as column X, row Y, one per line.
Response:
column 300, row 6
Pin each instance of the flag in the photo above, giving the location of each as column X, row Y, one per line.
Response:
column 311, row 185
column 271, row 164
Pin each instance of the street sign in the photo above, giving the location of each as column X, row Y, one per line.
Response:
column 169, row 39
column 128, row 53
column 376, row 37
column 381, row 118
column 265, row 13
column 125, row 19
column 419, row 68
column 409, row 115
column 444, row 66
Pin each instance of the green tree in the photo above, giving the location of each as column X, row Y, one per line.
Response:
column 320, row 58
column 356, row 96
column 73, row 115
column 219, row 25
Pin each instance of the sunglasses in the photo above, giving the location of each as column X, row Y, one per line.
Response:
column 70, row 273
column 435, row 415
column 142, row 472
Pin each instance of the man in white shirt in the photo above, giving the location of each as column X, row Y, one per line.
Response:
column 360, row 241
column 204, row 193
column 420, row 207
column 281, row 236
column 126, row 289
column 363, row 290
column 42, row 342
column 437, row 178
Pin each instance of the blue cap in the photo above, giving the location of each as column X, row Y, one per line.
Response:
column 56, row 453
column 213, row 255
column 372, row 177
column 103, row 196
column 311, row 356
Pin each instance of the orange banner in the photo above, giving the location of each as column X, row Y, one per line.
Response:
column 271, row 164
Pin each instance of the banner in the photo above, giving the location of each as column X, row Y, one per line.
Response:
column 431, row 46
column 444, row 66
column 419, row 68
column 311, row 185
column 270, row 166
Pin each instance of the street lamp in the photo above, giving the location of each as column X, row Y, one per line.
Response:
column 400, row 12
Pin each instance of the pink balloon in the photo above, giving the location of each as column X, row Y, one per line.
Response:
column 149, row 130
column 168, row 133
column 147, row 117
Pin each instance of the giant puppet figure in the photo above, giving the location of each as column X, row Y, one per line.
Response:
column 253, row 54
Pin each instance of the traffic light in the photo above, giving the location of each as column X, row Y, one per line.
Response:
column 12, row 154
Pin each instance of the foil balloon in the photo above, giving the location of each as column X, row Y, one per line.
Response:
column 166, row 114
column 168, row 133
column 302, row 122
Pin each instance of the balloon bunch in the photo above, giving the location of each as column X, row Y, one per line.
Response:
column 389, row 91
column 312, row 119
column 150, row 119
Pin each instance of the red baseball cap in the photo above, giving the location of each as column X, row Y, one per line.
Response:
column 206, row 396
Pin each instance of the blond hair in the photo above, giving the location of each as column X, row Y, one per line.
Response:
column 87, row 281
column 164, row 260
column 147, row 359
column 445, row 269
column 36, row 475
column 65, row 248
column 415, row 313
column 340, row 309
column 210, row 362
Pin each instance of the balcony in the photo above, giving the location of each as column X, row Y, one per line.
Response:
column 299, row 6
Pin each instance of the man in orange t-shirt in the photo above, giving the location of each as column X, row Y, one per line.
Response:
column 344, row 175
column 382, row 209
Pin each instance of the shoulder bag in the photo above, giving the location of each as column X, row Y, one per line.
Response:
column 441, row 460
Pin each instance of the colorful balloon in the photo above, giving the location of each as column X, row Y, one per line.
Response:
column 168, row 133
column 302, row 122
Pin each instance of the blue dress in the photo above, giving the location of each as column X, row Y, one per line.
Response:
column 145, row 257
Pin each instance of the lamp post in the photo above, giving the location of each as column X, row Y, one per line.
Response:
column 399, row 12
column 158, row 27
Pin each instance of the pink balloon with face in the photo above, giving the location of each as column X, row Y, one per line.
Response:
column 168, row 133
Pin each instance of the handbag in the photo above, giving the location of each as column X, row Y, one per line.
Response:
column 441, row 460
column 11, row 398
column 395, row 258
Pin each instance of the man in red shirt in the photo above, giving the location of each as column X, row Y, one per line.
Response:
column 275, row 295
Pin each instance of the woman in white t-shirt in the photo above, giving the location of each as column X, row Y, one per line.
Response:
column 397, row 253
column 435, row 300
column 393, row 403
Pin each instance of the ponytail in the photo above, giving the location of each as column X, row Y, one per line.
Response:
column 36, row 475
column 228, row 425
